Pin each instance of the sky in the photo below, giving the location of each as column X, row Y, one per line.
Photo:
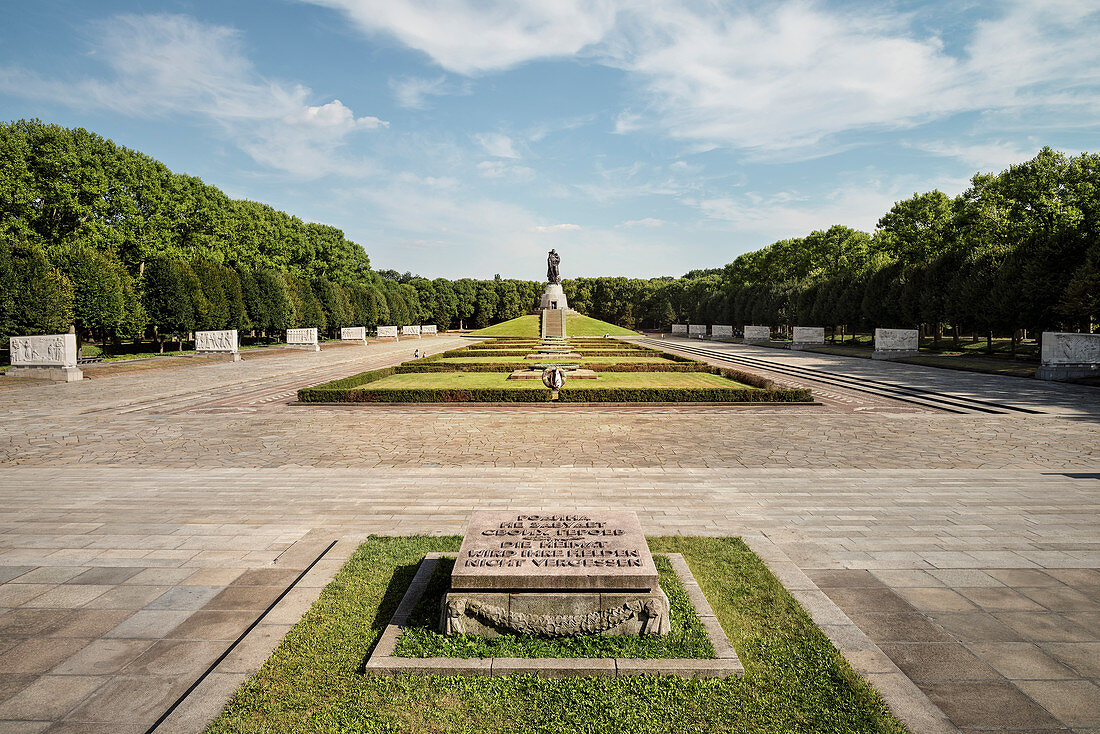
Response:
column 465, row 138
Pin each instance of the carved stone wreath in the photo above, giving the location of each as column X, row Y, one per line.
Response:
column 558, row 625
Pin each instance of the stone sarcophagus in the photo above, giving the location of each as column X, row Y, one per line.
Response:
column 388, row 332
column 554, row 575
column 302, row 339
column 411, row 331
column 758, row 333
column 680, row 329
column 697, row 331
column 1066, row 356
column 807, row 336
column 428, row 330
column 893, row 343
column 353, row 334
column 217, row 342
column 721, row 331
column 48, row 357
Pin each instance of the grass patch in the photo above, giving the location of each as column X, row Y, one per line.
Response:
column 795, row 681
column 974, row 364
column 478, row 380
column 575, row 325
column 584, row 359
column 686, row 639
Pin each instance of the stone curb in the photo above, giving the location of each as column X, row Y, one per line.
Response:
column 907, row 702
column 382, row 661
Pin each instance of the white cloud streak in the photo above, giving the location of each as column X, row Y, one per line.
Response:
column 167, row 65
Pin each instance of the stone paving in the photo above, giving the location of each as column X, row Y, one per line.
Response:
column 148, row 519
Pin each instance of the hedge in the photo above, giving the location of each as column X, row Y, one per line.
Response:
column 680, row 395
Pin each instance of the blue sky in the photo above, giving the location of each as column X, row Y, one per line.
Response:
column 643, row 138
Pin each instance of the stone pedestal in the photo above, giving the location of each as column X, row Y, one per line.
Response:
column 554, row 297
column 554, row 575
column 302, row 339
column 721, row 331
column 56, row 374
column 758, row 334
column 222, row 342
column 807, row 336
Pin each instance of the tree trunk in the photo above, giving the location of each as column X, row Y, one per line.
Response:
column 955, row 336
column 989, row 342
column 1015, row 341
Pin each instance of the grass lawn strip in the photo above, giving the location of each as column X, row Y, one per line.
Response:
column 795, row 680
column 687, row 638
column 576, row 325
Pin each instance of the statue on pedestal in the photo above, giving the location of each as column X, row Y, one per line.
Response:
column 552, row 274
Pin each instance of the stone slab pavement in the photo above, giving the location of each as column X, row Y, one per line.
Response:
column 154, row 517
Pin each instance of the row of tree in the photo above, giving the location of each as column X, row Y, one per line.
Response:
column 108, row 239
column 1018, row 250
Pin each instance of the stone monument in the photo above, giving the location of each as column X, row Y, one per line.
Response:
column 218, row 342
column 697, row 331
column 388, row 332
column 411, row 330
column 721, row 331
column 554, row 575
column 353, row 334
column 894, row 343
column 679, row 329
column 1067, row 356
column 302, row 339
column 428, row 330
column 49, row 357
column 554, row 296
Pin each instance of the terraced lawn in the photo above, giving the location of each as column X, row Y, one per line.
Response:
column 476, row 380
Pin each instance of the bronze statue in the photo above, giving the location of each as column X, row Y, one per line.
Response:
column 552, row 274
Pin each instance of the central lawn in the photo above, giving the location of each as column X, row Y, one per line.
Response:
column 795, row 681
column 472, row 380
column 575, row 325
column 523, row 359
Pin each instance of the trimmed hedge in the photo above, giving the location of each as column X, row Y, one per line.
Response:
column 348, row 390
column 428, row 366
column 678, row 395
column 336, row 390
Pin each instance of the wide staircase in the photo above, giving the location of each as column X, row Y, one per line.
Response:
column 553, row 323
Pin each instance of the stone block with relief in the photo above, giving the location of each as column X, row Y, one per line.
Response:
column 48, row 357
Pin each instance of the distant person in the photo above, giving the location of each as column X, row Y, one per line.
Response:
column 416, row 354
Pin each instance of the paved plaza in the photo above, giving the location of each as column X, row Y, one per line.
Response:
column 150, row 517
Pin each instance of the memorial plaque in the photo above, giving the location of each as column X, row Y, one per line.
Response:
column 721, row 331
column 217, row 342
column 697, row 330
column 428, row 330
column 301, row 336
column 566, row 551
column 53, row 350
column 353, row 334
column 1068, row 356
column 410, row 331
column 387, row 332
column 679, row 328
column 758, row 333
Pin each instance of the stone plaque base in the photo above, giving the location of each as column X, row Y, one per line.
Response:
column 554, row 614
column 57, row 374
column 799, row 346
column 893, row 353
column 1067, row 371
column 305, row 347
column 554, row 355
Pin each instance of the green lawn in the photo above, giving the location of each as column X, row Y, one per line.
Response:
column 795, row 681
column 575, row 325
column 476, row 380
column 523, row 359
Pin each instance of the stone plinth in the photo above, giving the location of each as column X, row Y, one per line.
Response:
column 410, row 331
column 895, row 343
column 353, row 334
column 302, row 339
column 699, row 331
column 554, row 574
column 807, row 336
column 554, row 298
column 721, row 331
column 429, row 330
column 217, row 342
column 48, row 357
column 388, row 332
column 679, row 329
column 1067, row 356
column 758, row 334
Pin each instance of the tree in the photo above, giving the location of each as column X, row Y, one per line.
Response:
column 167, row 299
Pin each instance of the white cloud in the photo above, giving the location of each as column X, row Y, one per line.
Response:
column 474, row 36
column 502, row 169
column 168, row 65
column 556, row 227
column 648, row 222
column 413, row 92
column 498, row 145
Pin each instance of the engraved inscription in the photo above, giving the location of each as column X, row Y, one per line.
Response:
column 543, row 541
column 353, row 333
column 301, row 336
